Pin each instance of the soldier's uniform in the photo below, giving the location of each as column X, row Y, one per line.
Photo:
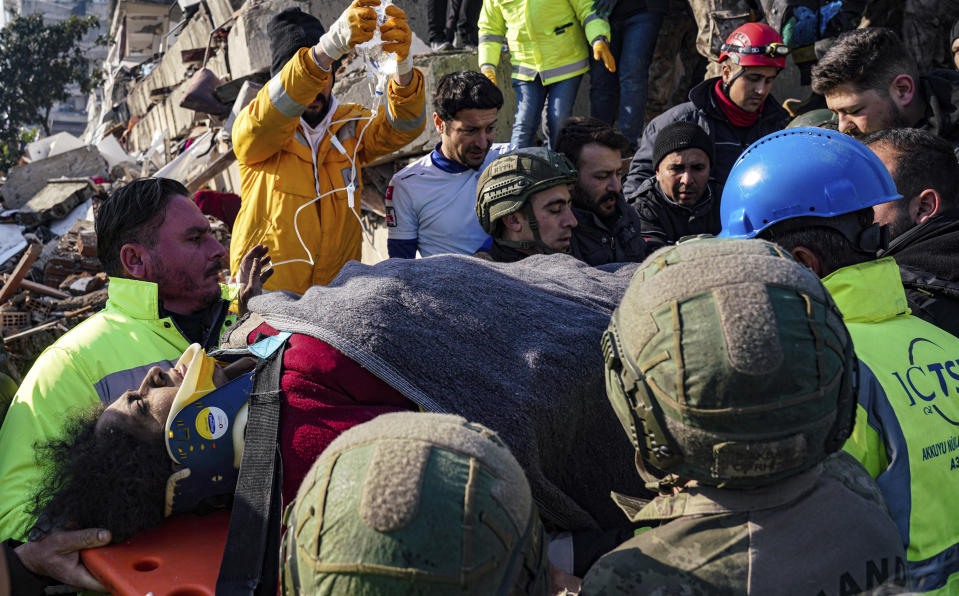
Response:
column 731, row 371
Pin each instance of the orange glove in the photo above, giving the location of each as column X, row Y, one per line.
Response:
column 490, row 74
column 395, row 33
column 354, row 26
column 601, row 52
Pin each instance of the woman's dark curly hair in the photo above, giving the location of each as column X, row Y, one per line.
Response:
column 106, row 477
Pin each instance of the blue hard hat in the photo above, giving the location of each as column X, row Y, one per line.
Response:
column 801, row 172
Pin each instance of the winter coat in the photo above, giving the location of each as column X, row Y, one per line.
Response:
column 596, row 244
column 728, row 141
column 665, row 221
column 280, row 172
column 928, row 259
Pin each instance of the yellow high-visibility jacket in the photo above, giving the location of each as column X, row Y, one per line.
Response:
column 280, row 172
column 549, row 38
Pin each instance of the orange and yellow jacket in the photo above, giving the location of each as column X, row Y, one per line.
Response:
column 280, row 172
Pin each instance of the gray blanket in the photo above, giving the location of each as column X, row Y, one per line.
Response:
column 515, row 347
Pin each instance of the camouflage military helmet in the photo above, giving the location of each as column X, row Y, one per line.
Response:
column 507, row 183
column 727, row 362
column 415, row 503
column 821, row 118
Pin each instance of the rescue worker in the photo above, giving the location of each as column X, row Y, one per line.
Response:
column 730, row 370
column 607, row 229
column 300, row 151
column 523, row 202
column 872, row 83
column 430, row 204
column 820, row 209
column 164, row 294
column 679, row 200
column 735, row 108
column 548, row 41
column 924, row 224
column 437, row 505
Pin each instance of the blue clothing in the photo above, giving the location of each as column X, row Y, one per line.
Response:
column 530, row 97
column 431, row 207
column 632, row 44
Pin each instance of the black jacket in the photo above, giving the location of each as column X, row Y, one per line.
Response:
column 596, row 244
column 505, row 254
column 665, row 221
column 728, row 140
column 941, row 90
column 928, row 258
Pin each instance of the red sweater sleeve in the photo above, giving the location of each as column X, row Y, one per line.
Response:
column 324, row 394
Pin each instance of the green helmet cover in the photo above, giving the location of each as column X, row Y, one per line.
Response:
column 507, row 184
column 821, row 118
column 415, row 503
column 727, row 362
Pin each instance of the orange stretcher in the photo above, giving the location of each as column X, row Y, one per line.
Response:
column 179, row 558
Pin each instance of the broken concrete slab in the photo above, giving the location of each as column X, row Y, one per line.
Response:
column 52, row 145
column 249, row 43
column 23, row 182
column 82, row 211
column 55, row 200
column 11, row 241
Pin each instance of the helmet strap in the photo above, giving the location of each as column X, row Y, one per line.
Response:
column 725, row 86
column 537, row 242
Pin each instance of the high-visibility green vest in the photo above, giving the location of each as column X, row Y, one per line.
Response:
column 549, row 38
column 94, row 363
column 907, row 421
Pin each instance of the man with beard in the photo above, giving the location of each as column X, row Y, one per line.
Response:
column 164, row 294
column 607, row 230
column 924, row 224
column 872, row 83
column 300, row 151
column 430, row 204
column 679, row 201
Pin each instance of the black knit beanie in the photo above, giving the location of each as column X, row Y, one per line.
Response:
column 678, row 136
column 954, row 33
column 289, row 31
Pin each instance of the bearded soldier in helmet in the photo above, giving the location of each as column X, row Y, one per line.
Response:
column 735, row 108
column 523, row 202
column 731, row 371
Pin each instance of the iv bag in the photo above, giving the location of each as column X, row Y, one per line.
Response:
column 379, row 64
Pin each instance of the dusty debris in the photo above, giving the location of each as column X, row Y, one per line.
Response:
column 55, row 200
column 24, row 182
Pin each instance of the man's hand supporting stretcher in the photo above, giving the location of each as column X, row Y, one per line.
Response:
column 356, row 25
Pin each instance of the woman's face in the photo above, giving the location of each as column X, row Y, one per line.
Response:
column 147, row 407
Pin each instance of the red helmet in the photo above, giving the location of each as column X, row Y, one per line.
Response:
column 755, row 44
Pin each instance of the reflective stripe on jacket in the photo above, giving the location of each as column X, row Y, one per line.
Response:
column 545, row 37
column 280, row 172
column 94, row 363
column 907, row 421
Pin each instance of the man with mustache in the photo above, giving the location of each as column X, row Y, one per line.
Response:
column 300, row 151
column 679, row 201
column 164, row 294
column 430, row 203
column 608, row 230
column 872, row 83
